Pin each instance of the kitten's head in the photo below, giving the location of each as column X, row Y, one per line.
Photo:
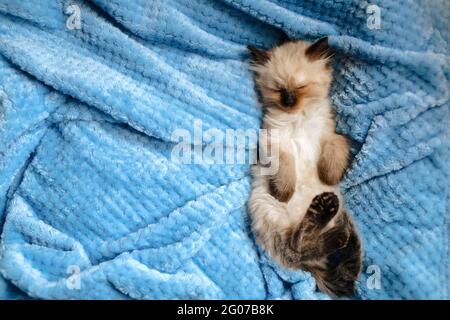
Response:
column 292, row 74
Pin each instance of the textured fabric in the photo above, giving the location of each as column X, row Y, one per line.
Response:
column 86, row 122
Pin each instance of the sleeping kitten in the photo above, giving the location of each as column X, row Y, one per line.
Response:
column 297, row 213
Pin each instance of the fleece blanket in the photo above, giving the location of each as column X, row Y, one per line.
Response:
column 92, row 203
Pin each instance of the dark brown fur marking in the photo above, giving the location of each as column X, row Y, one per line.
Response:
column 282, row 184
column 259, row 56
column 318, row 50
column 333, row 159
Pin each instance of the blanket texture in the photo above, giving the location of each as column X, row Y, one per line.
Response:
column 92, row 204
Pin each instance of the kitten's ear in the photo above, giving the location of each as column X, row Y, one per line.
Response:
column 259, row 56
column 319, row 50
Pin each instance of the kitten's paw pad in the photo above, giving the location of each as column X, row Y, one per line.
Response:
column 325, row 206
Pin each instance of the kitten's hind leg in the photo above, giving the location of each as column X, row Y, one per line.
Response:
column 282, row 183
column 343, row 265
column 322, row 209
column 308, row 238
column 332, row 255
column 304, row 243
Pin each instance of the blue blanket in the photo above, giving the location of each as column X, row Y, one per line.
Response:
column 92, row 204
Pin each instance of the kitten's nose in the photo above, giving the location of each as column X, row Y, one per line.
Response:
column 288, row 98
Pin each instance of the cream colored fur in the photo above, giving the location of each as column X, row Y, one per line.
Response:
column 302, row 130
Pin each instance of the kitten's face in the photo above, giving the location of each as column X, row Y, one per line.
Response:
column 293, row 74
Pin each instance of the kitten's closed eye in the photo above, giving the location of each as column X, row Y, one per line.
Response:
column 279, row 89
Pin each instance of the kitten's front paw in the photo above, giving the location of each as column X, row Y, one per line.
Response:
column 333, row 160
column 282, row 184
column 282, row 190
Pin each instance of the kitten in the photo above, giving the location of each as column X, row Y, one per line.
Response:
column 297, row 213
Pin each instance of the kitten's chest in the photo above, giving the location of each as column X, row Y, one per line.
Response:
column 305, row 144
column 305, row 140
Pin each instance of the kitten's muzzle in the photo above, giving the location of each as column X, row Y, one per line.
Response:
column 288, row 98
